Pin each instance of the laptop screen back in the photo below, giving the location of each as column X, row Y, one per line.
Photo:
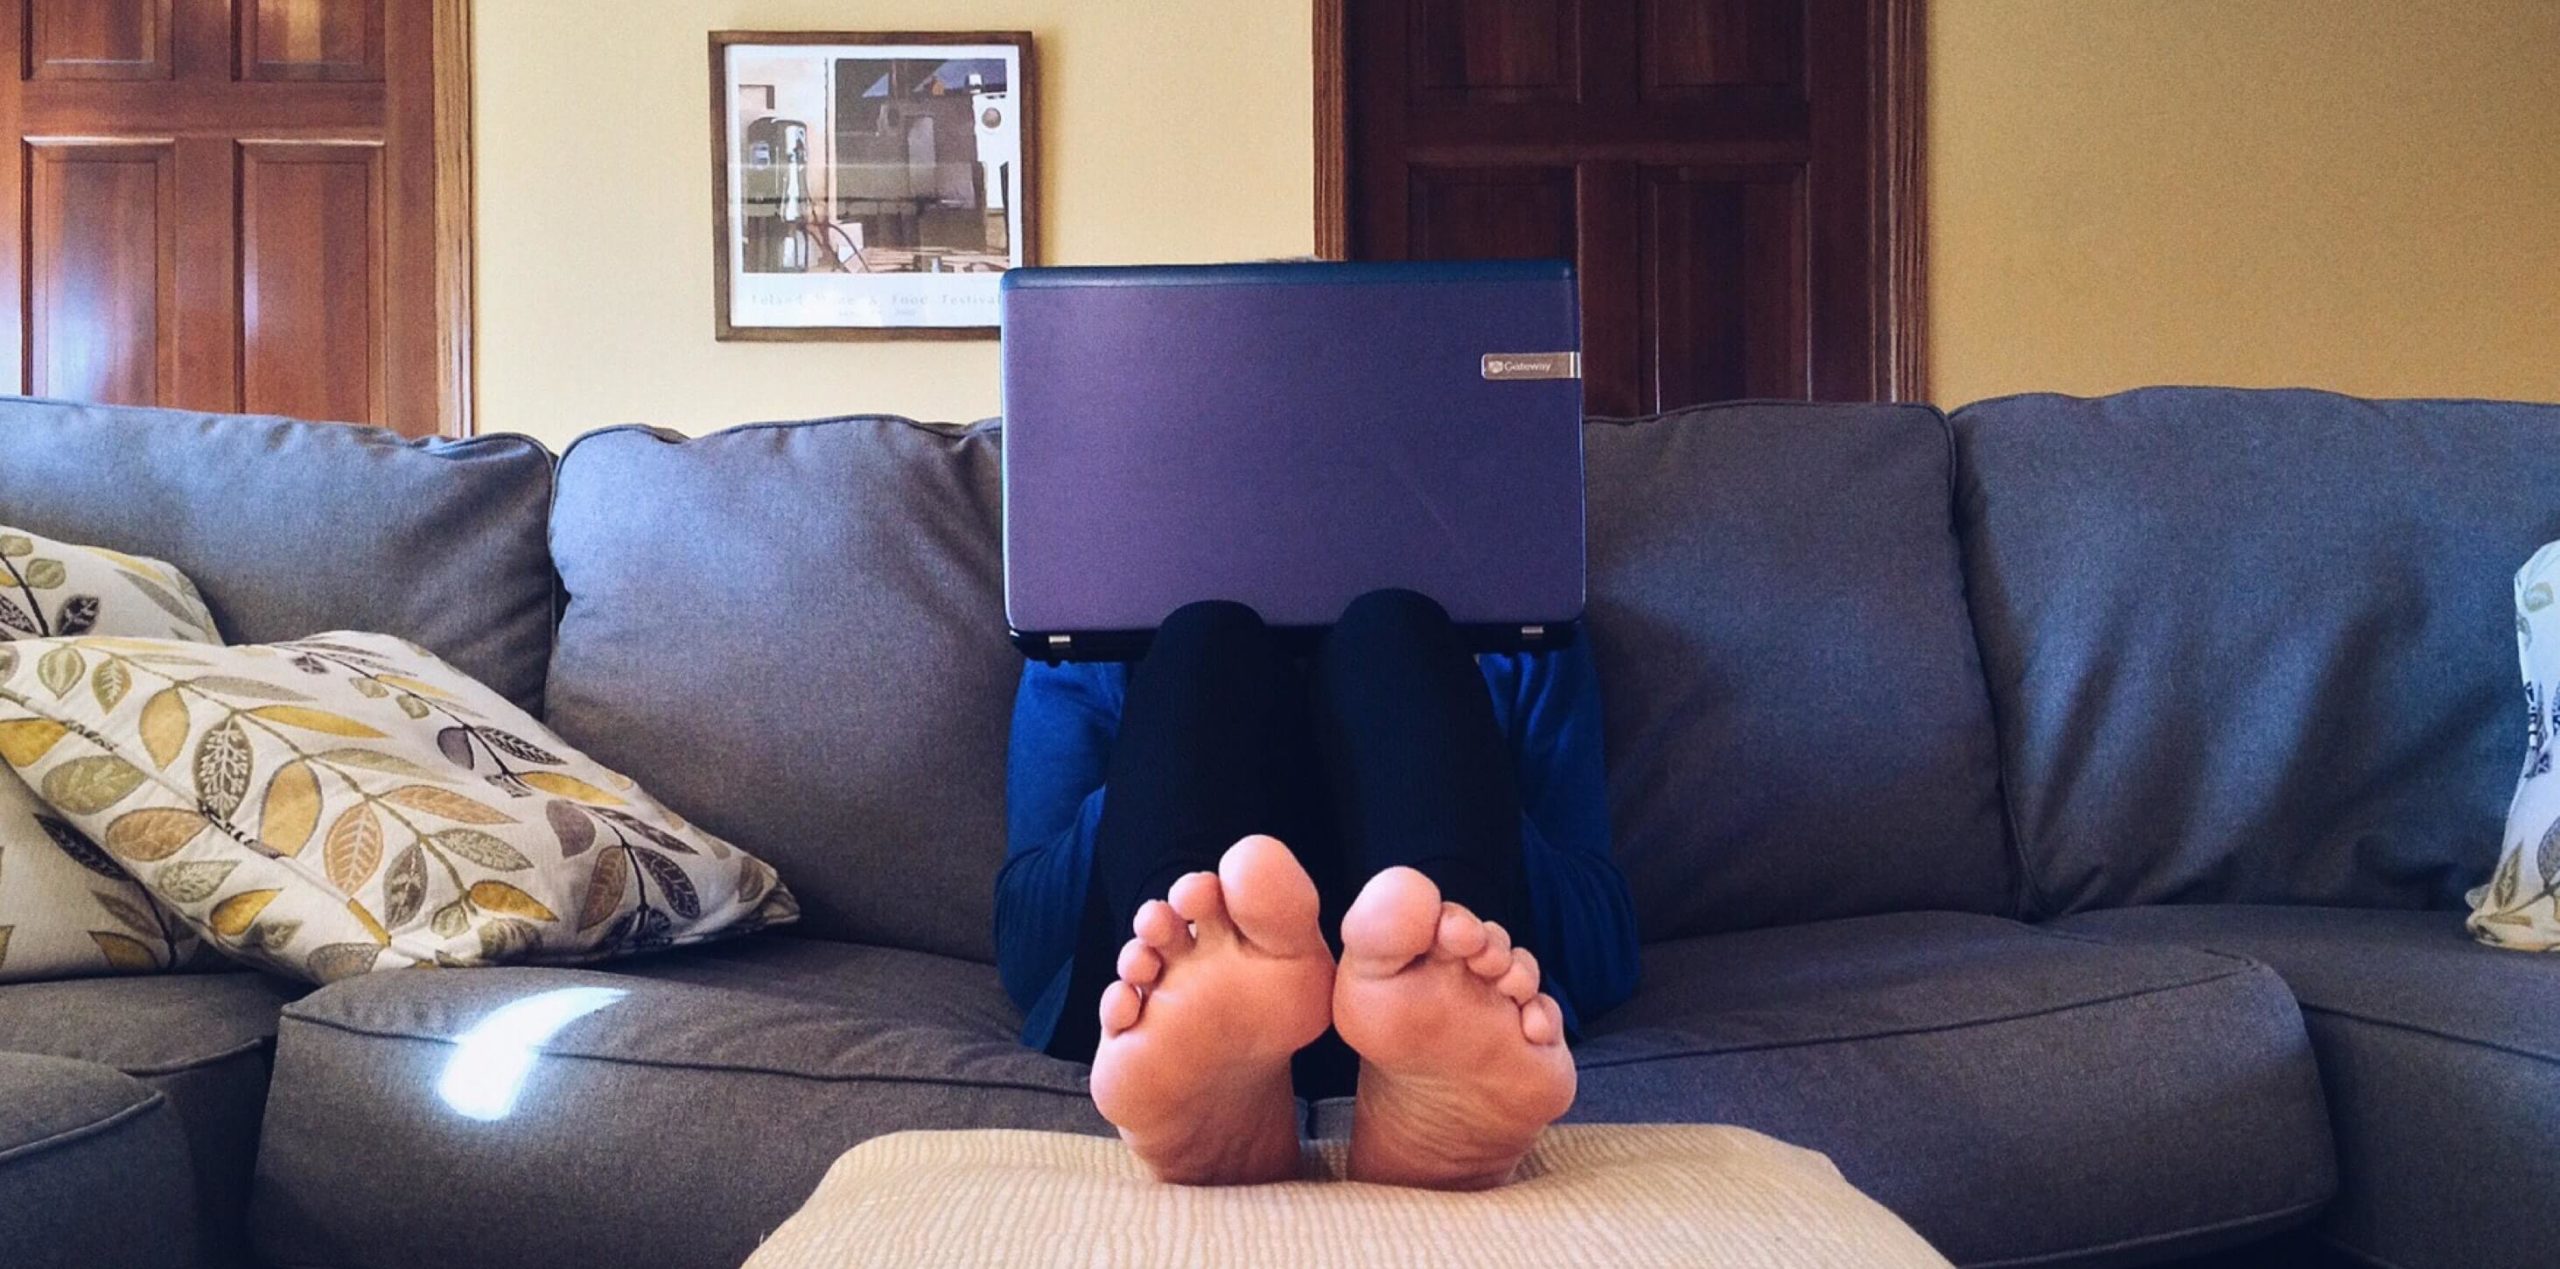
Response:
column 1290, row 436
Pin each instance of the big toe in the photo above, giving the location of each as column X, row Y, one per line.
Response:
column 1395, row 920
column 1269, row 895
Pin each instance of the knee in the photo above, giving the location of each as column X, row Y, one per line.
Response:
column 1393, row 612
column 1212, row 623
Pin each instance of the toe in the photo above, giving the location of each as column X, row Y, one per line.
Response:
column 1541, row 1022
column 1160, row 927
column 1196, row 899
column 1140, row 965
column 1520, row 982
column 1395, row 920
column 1495, row 957
column 1120, row 1008
column 1462, row 934
column 1269, row 896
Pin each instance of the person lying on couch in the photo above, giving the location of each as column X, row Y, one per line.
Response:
column 1187, row 830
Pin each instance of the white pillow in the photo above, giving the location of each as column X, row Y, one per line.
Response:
column 66, row 909
column 348, row 802
column 2520, row 907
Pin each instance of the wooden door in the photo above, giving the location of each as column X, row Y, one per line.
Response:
column 1736, row 180
column 252, row 206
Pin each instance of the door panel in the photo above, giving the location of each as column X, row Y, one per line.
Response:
column 1724, row 284
column 1695, row 45
column 100, row 258
column 260, row 222
column 311, row 39
column 1710, row 166
column 1492, row 213
column 1475, row 51
column 98, row 39
column 311, row 279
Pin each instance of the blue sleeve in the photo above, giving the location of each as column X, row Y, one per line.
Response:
column 1064, row 720
column 1586, row 937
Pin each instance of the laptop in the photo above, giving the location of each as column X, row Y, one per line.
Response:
column 1290, row 436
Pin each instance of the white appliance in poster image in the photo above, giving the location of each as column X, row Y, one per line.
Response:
column 999, row 143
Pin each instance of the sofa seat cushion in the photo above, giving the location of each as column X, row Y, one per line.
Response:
column 2019, row 1096
column 93, row 1169
column 201, row 1040
column 2442, row 1062
column 675, row 1123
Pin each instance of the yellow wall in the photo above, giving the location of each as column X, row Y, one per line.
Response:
column 2355, row 194
column 2352, row 194
column 1171, row 130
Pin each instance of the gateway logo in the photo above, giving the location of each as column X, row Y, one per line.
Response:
column 1555, row 365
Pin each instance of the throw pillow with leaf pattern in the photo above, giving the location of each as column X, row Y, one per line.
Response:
column 348, row 802
column 66, row 909
column 2520, row 907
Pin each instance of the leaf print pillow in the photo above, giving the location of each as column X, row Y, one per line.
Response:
column 348, row 802
column 2520, row 907
column 66, row 909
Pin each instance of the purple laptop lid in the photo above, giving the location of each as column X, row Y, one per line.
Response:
column 1290, row 436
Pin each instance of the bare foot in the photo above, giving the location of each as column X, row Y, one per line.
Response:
column 1219, row 988
column 1462, row 1058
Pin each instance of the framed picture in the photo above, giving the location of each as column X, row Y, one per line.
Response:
column 869, row 186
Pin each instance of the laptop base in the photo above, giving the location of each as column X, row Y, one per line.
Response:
column 1129, row 645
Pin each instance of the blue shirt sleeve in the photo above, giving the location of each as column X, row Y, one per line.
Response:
column 1549, row 706
column 1065, row 718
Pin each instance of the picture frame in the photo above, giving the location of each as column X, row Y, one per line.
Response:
column 870, row 185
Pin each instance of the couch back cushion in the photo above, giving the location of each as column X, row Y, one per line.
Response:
column 1797, row 725
column 2254, row 646
column 794, row 634
column 293, row 528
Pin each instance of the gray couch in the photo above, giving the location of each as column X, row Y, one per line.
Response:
column 2057, row 813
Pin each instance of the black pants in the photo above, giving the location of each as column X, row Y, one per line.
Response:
column 1379, row 749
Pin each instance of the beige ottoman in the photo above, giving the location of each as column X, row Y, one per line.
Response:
column 1592, row 1195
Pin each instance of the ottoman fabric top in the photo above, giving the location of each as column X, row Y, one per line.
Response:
column 1589, row 1194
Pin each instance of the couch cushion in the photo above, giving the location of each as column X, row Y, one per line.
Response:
column 2442, row 1063
column 1797, row 724
column 203, row 1040
column 93, row 1169
column 2254, row 646
column 2020, row 1096
column 840, row 704
column 290, row 528
column 676, row 1124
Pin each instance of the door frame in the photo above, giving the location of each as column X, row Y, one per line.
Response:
column 434, row 114
column 1897, row 161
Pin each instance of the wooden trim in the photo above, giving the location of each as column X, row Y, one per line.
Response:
column 1901, row 186
column 457, row 231
column 426, row 125
column 1333, row 144
column 1025, row 107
